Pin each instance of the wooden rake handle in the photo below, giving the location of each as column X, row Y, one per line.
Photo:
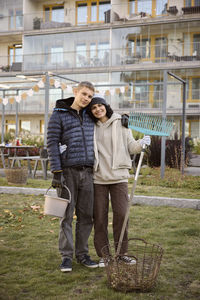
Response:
column 130, row 200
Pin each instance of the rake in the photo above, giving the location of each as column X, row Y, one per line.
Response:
column 149, row 125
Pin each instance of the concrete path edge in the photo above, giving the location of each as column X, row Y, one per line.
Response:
column 138, row 200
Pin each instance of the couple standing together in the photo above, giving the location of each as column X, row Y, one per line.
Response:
column 89, row 149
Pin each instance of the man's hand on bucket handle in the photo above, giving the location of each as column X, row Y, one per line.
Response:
column 58, row 180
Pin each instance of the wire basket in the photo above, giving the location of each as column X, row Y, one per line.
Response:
column 16, row 175
column 140, row 276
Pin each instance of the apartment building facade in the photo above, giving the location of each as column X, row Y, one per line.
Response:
column 123, row 47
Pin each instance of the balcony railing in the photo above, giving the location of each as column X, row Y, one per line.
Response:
column 103, row 59
column 117, row 12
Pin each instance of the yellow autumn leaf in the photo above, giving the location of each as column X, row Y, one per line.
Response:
column 35, row 207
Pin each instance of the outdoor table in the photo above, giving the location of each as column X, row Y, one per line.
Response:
column 43, row 161
column 16, row 148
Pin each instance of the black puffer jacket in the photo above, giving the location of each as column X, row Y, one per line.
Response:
column 74, row 130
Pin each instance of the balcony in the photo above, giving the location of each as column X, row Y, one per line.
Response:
column 115, row 13
column 69, row 61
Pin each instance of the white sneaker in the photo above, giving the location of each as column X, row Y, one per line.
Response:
column 127, row 260
column 101, row 263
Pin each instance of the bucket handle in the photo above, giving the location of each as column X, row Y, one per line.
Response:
column 64, row 187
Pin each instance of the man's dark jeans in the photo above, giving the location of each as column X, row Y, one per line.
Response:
column 80, row 184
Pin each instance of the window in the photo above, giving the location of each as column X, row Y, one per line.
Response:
column 131, row 47
column 15, row 18
column 54, row 13
column 141, row 93
column 92, row 54
column 15, row 54
column 161, row 7
column 82, row 13
column 132, row 7
column 193, row 89
column 151, row 7
column 144, row 6
column 81, row 55
column 41, row 126
column 103, row 48
column 160, row 47
column 153, row 48
column 190, row 3
column 157, row 94
column 56, row 55
column 103, row 7
column 25, row 126
column 196, row 44
column 143, row 48
column 10, row 126
column 196, row 89
column 91, row 11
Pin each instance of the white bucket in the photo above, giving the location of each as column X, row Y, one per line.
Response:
column 56, row 206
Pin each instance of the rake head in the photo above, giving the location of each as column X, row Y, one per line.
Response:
column 150, row 125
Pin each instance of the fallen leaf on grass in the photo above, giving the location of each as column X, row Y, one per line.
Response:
column 25, row 209
column 51, row 231
column 35, row 207
column 55, row 218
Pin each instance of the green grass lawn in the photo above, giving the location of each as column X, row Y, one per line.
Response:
column 30, row 258
column 149, row 184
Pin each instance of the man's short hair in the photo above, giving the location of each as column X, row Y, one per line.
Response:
column 87, row 84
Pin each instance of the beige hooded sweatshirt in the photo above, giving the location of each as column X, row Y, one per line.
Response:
column 113, row 145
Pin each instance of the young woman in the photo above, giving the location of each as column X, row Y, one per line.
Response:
column 113, row 145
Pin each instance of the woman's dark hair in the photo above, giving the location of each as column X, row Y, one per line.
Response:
column 109, row 113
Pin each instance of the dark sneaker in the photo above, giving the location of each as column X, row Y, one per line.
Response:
column 127, row 260
column 87, row 262
column 66, row 265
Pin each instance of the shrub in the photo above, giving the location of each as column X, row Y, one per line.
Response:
column 172, row 152
column 37, row 141
column 197, row 147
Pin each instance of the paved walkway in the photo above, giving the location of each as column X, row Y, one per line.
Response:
column 143, row 200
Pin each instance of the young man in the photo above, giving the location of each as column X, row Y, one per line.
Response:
column 71, row 129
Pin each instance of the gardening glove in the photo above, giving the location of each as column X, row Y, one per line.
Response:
column 58, row 180
column 145, row 141
column 124, row 120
